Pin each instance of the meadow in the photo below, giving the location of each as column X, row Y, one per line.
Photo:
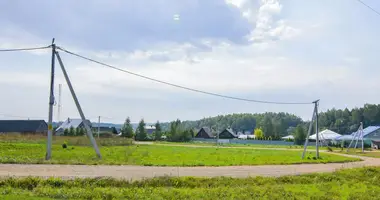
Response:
column 157, row 155
column 373, row 154
column 362, row 183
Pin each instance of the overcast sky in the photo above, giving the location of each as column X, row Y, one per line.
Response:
column 291, row 50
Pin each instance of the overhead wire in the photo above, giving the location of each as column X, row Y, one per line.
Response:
column 369, row 7
column 25, row 49
column 176, row 85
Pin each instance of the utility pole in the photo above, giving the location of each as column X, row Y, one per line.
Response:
column 51, row 104
column 98, row 126
column 59, row 102
column 314, row 117
column 88, row 129
column 316, row 129
column 362, row 136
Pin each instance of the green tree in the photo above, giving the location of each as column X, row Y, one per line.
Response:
column 81, row 131
column 66, row 132
column 268, row 127
column 258, row 133
column 141, row 133
column 72, row 131
column 299, row 135
column 158, row 131
column 127, row 129
column 114, row 131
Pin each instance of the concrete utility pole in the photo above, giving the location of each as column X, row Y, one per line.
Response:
column 98, row 126
column 51, row 104
column 314, row 117
column 88, row 129
column 316, row 129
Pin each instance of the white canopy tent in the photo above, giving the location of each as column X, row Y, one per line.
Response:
column 289, row 137
column 325, row 135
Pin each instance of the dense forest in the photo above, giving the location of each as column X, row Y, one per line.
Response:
column 280, row 124
column 347, row 121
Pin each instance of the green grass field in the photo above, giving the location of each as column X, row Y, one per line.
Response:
column 158, row 155
column 373, row 154
column 294, row 147
column 360, row 183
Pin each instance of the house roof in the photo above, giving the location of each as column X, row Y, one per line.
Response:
column 230, row 131
column 325, row 135
column 207, row 130
column 71, row 123
column 366, row 132
column 19, row 126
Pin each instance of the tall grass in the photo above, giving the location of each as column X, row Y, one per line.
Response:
column 346, row 184
column 59, row 140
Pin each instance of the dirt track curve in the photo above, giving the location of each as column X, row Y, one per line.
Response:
column 141, row 172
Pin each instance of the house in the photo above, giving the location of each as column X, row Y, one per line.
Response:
column 375, row 144
column 371, row 134
column 204, row 132
column 150, row 129
column 227, row 134
column 23, row 126
column 105, row 127
column 75, row 123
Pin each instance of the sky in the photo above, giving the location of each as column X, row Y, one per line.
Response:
column 271, row 50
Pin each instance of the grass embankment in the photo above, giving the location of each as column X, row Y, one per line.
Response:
column 156, row 155
column 360, row 183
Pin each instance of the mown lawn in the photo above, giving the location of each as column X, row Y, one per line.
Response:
column 360, row 183
column 156, row 155
column 373, row 154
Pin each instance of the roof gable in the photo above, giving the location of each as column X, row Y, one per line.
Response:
column 75, row 123
column 205, row 130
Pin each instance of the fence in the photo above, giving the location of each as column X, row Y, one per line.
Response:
column 258, row 142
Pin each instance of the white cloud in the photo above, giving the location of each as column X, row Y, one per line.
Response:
column 266, row 28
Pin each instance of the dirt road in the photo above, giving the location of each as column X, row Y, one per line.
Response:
column 141, row 172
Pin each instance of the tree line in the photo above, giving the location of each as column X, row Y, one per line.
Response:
column 176, row 132
column 347, row 121
column 273, row 125
column 264, row 125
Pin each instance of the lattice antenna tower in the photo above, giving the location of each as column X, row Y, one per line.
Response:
column 358, row 136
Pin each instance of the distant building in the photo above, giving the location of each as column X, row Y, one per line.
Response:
column 23, row 126
column 369, row 133
column 104, row 127
column 204, row 132
column 150, row 129
column 375, row 144
column 227, row 134
column 75, row 123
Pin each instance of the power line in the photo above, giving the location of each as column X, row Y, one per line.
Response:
column 25, row 49
column 366, row 5
column 175, row 85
